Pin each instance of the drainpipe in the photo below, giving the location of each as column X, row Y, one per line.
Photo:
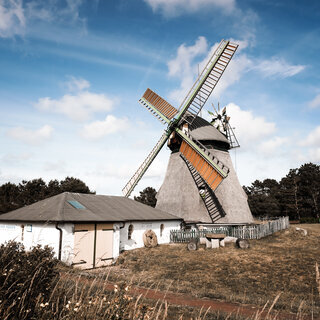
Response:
column 122, row 224
column 60, row 240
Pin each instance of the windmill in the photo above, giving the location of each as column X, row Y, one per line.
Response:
column 193, row 160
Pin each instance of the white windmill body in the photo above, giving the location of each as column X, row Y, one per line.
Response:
column 200, row 185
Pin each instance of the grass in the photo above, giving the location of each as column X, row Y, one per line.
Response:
column 283, row 263
column 279, row 272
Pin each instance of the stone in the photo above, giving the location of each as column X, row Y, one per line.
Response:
column 230, row 239
column 215, row 243
column 192, row 245
column 243, row 243
column 303, row 231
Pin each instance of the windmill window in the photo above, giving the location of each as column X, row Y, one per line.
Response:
column 161, row 229
column 130, row 230
column 76, row 204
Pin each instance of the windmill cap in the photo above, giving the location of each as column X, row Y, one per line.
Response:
column 202, row 130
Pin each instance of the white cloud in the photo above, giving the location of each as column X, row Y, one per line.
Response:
column 250, row 129
column 32, row 137
column 315, row 103
column 15, row 15
column 99, row 129
column 269, row 147
column 56, row 166
column 236, row 68
column 312, row 139
column 77, row 84
column 314, row 155
column 185, row 67
column 48, row 11
column 12, row 18
column 13, row 158
column 77, row 107
column 174, row 8
column 185, row 55
column 278, row 67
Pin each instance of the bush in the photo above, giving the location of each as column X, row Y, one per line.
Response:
column 309, row 220
column 26, row 279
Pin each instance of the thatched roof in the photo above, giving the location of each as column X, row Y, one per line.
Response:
column 180, row 196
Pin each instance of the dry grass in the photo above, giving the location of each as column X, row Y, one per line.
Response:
column 278, row 272
column 283, row 263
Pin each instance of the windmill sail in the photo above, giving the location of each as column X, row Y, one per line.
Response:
column 159, row 107
column 206, row 82
column 209, row 167
column 144, row 166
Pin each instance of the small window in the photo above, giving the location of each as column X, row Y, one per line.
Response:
column 76, row 204
column 161, row 229
column 130, row 230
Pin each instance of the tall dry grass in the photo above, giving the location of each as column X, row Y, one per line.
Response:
column 34, row 285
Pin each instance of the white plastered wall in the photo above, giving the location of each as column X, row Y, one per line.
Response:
column 34, row 233
column 116, row 239
column 139, row 227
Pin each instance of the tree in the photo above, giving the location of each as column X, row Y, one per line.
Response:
column 9, row 193
column 14, row 196
column 148, row 197
column 263, row 197
column 31, row 191
column 70, row 184
column 289, row 195
column 309, row 189
column 297, row 195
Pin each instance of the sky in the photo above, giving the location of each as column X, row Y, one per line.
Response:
column 72, row 72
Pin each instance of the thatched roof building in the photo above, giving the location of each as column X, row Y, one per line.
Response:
column 179, row 194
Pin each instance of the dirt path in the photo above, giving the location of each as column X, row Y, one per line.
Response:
column 214, row 305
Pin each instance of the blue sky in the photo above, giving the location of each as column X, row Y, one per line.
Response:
column 72, row 73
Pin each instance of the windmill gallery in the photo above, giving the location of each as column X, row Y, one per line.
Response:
column 200, row 190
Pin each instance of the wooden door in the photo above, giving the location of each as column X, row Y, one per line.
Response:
column 104, row 244
column 84, row 238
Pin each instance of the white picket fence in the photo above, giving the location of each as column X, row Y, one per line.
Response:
column 256, row 231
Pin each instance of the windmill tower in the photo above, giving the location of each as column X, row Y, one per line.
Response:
column 199, row 162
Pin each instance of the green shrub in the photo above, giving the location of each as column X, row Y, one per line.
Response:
column 26, row 279
column 309, row 220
